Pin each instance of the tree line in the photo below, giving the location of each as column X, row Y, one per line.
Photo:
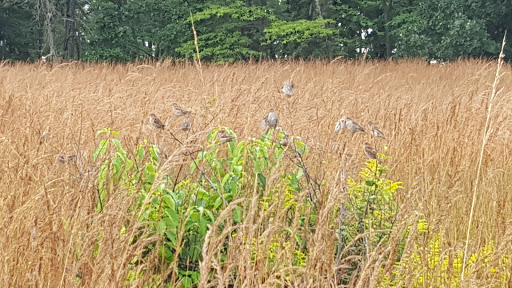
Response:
column 237, row 30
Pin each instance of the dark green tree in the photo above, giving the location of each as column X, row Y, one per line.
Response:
column 352, row 17
column 445, row 29
column 19, row 37
column 129, row 30
column 227, row 33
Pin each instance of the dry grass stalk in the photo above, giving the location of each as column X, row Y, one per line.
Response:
column 196, row 44
column 486, row 134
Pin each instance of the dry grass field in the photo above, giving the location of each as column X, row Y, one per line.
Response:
column 432, row 116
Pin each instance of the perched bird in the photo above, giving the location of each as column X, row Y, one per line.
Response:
column 375, row 131
column 288, row 88
column 178, row 111
column 155, row 121
column 72, row 158
column 44, row 136
column 186, row 125
column 61, row 158
column 370, row 152
column 225, row 137
column 271, row 120
column 348, row 123
column 285, row 141
column 353, row 126
column 340, row 125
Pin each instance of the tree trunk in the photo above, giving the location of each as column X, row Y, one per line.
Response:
column 387, row 31
column 49, row 12
column 318, row 9
column 70, row 41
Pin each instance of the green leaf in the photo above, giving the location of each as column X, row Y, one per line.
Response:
column 105, row 130
column 117, row 143
column 192, row 167
column 237, row 214
column 161, row 227
column 262, row 180
column 225, row 179
column 202, row 226
column 233, row 188
column 218, row 203
column 237, row 169
column 186, row 282
column 100, row 151
column 169, row 255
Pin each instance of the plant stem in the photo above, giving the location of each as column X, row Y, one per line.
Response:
column 484, row 142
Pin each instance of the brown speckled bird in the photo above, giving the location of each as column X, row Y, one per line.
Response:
column 375, row 131
column 63, row 159
column 285, row 141
column 271, row 120
column 225, row 137
column 370, row 152
column 72, row 158
column 186, row 125
column 353, row 126
column 155, row 121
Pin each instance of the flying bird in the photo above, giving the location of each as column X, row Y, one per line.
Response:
column 178, row 111
column 288, row 88
column 375, row 131
column 153, row 120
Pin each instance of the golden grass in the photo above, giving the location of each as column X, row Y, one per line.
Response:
column 433, row 116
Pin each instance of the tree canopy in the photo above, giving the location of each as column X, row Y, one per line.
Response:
column 237, row 30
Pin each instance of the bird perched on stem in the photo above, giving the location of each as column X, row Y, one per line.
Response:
column 285, row 141
column 72, row 158
column 178, row 111
column 375, row 131
column 62, row 158
column 288, row 88
column 340, row 125
column 44, row 137
column 186, row 125
column 348, row 123
column 353, row 126
column 153, row 120
column 370, row 152
column 225, row 137
column 270, row 121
